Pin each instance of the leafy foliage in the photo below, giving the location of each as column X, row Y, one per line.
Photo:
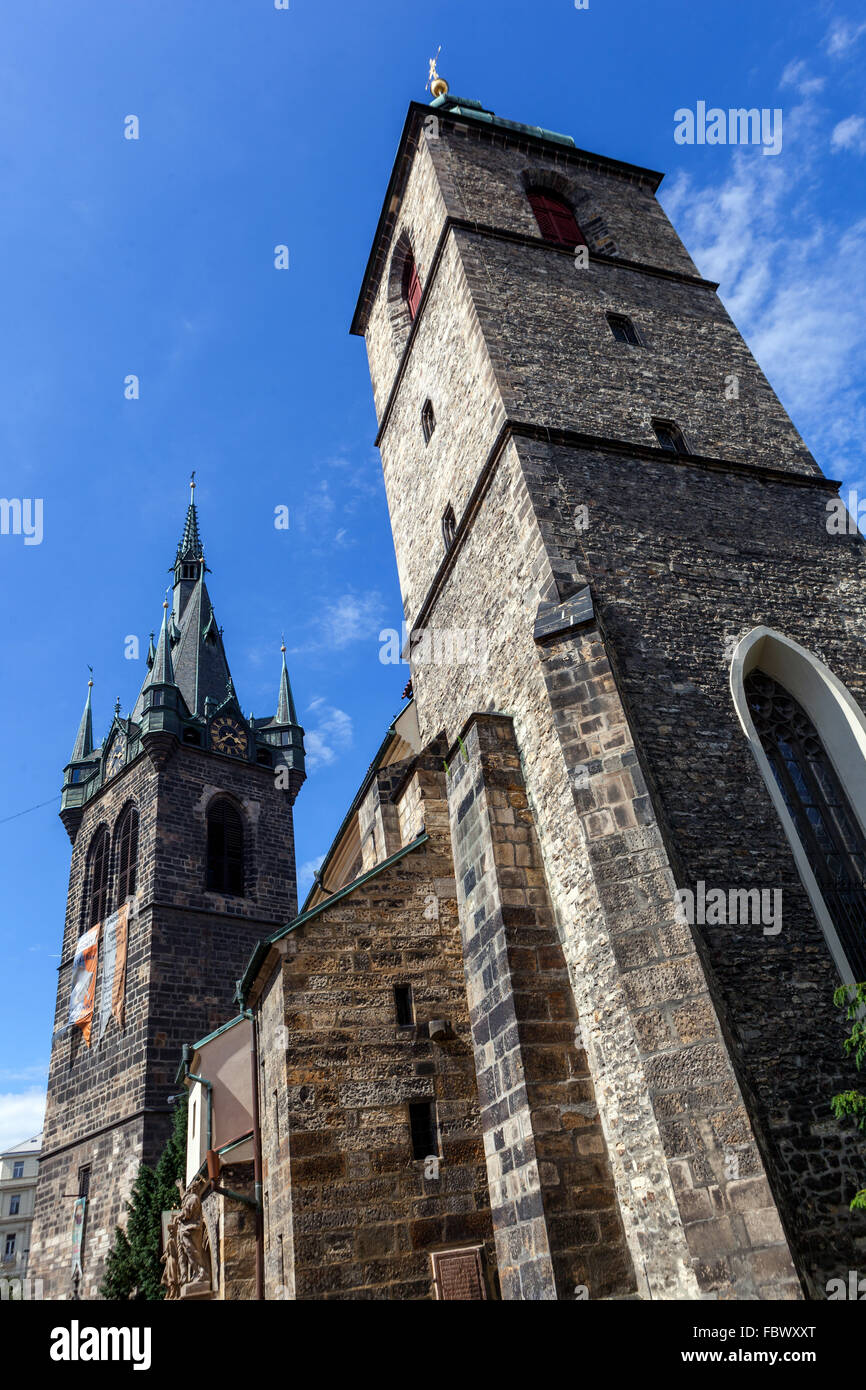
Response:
column 852, row 1104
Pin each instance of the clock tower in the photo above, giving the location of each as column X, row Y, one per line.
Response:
column 182, row 859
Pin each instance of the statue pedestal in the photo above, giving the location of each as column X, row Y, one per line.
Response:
column 201, row 1289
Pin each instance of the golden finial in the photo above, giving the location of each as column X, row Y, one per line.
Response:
column 192, row 481
column 436, row 85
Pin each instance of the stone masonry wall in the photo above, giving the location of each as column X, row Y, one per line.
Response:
column 348, row 1207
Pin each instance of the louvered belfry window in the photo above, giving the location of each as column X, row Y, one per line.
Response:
column 411, row 286
column 225, row 850
column 99, row 858
column 127, row 854
column 555, row 219
column 819, row 807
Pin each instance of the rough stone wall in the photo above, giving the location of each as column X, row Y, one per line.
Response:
column 558, row 1228
column 107, row 1104
column 356, row 1214
column 234, row 1224
column 671, row 551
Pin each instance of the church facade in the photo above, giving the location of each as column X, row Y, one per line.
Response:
column 556, row 1019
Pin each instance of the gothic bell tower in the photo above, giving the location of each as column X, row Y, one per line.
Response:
column 182, row 857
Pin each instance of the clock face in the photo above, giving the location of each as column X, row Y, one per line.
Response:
column 227, row 736
column 116, row 757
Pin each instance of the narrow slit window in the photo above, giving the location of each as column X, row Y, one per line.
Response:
column 670, row 436
column 404, row 1006
column 428, row 420
column 623, row 329
column 449, row 527
column 84, row 1181
column 422, row 1125
column 127, row 854
column 99, row 857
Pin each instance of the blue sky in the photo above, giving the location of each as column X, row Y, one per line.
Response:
column 155, row 257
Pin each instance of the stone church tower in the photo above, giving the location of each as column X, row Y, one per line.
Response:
column 594, row 489
column 184, row 814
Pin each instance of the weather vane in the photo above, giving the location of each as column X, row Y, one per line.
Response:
column 436, row 85
column 192, row 481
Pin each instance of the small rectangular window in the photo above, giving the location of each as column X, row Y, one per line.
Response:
column 10, row 1246
column 404, row 1006
column 15, row 1204
column 670, row 436
column 18, row 1168
column 84, row 1181
column 422, row 1125
column 623, row 329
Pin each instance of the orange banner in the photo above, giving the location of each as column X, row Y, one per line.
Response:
column 84, row 982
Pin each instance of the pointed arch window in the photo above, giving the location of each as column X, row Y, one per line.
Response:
column 818, row 805
column 126, row 839
column 555, row 218
column 225, row 849
column 411, row 286
column 97, row 878
column 449, row 526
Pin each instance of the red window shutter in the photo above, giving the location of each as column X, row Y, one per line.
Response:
column 555, row 219
column 411, row 287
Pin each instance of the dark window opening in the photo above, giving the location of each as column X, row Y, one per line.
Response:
column 428, row 420
column 126, row 837
column 225, row 850
column 84, row 1181
column 15, row 1204
column 449, row 527
column 403, row 1005
column 819, row 807
column 422, row 1124
column 190, row 572
column 80, row 774
column 263, row 757
column 670, row 436
column 157, row 698
column 99, row 857
column 555, row 218
column 411, row 286
column 10, row 1246
column 623, row 329
column 192, row 736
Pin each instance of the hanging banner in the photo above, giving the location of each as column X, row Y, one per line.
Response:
column 84, row 982
column 118, row 988
column 113, row 969
column 78, row 1232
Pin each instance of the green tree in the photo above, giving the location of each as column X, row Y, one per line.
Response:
column 133, row 1269
column 852, row 1104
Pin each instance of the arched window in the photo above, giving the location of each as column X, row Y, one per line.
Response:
column 818, row 805
column 225, row 849
column 97, row 879
column 411, row 286
column 555, row 218
column 126, row 840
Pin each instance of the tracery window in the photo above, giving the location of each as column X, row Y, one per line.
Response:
column 819, row 807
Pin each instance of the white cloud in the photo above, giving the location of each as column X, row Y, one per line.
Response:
column 331, row 736
column 850, row 134
column 841, row 36
column 21, row 1115
column 305, row 874
column 795, row 76
column 792, row 281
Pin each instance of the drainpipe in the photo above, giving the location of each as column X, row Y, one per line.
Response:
column 257, row 1159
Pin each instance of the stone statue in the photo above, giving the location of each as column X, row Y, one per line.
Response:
column 171, row 1272
column 193, row 1262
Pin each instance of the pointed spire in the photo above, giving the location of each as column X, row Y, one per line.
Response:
column 84, row 738
column 190, row 547
column 151, row 653
column 285, row 704
column 162, row 670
